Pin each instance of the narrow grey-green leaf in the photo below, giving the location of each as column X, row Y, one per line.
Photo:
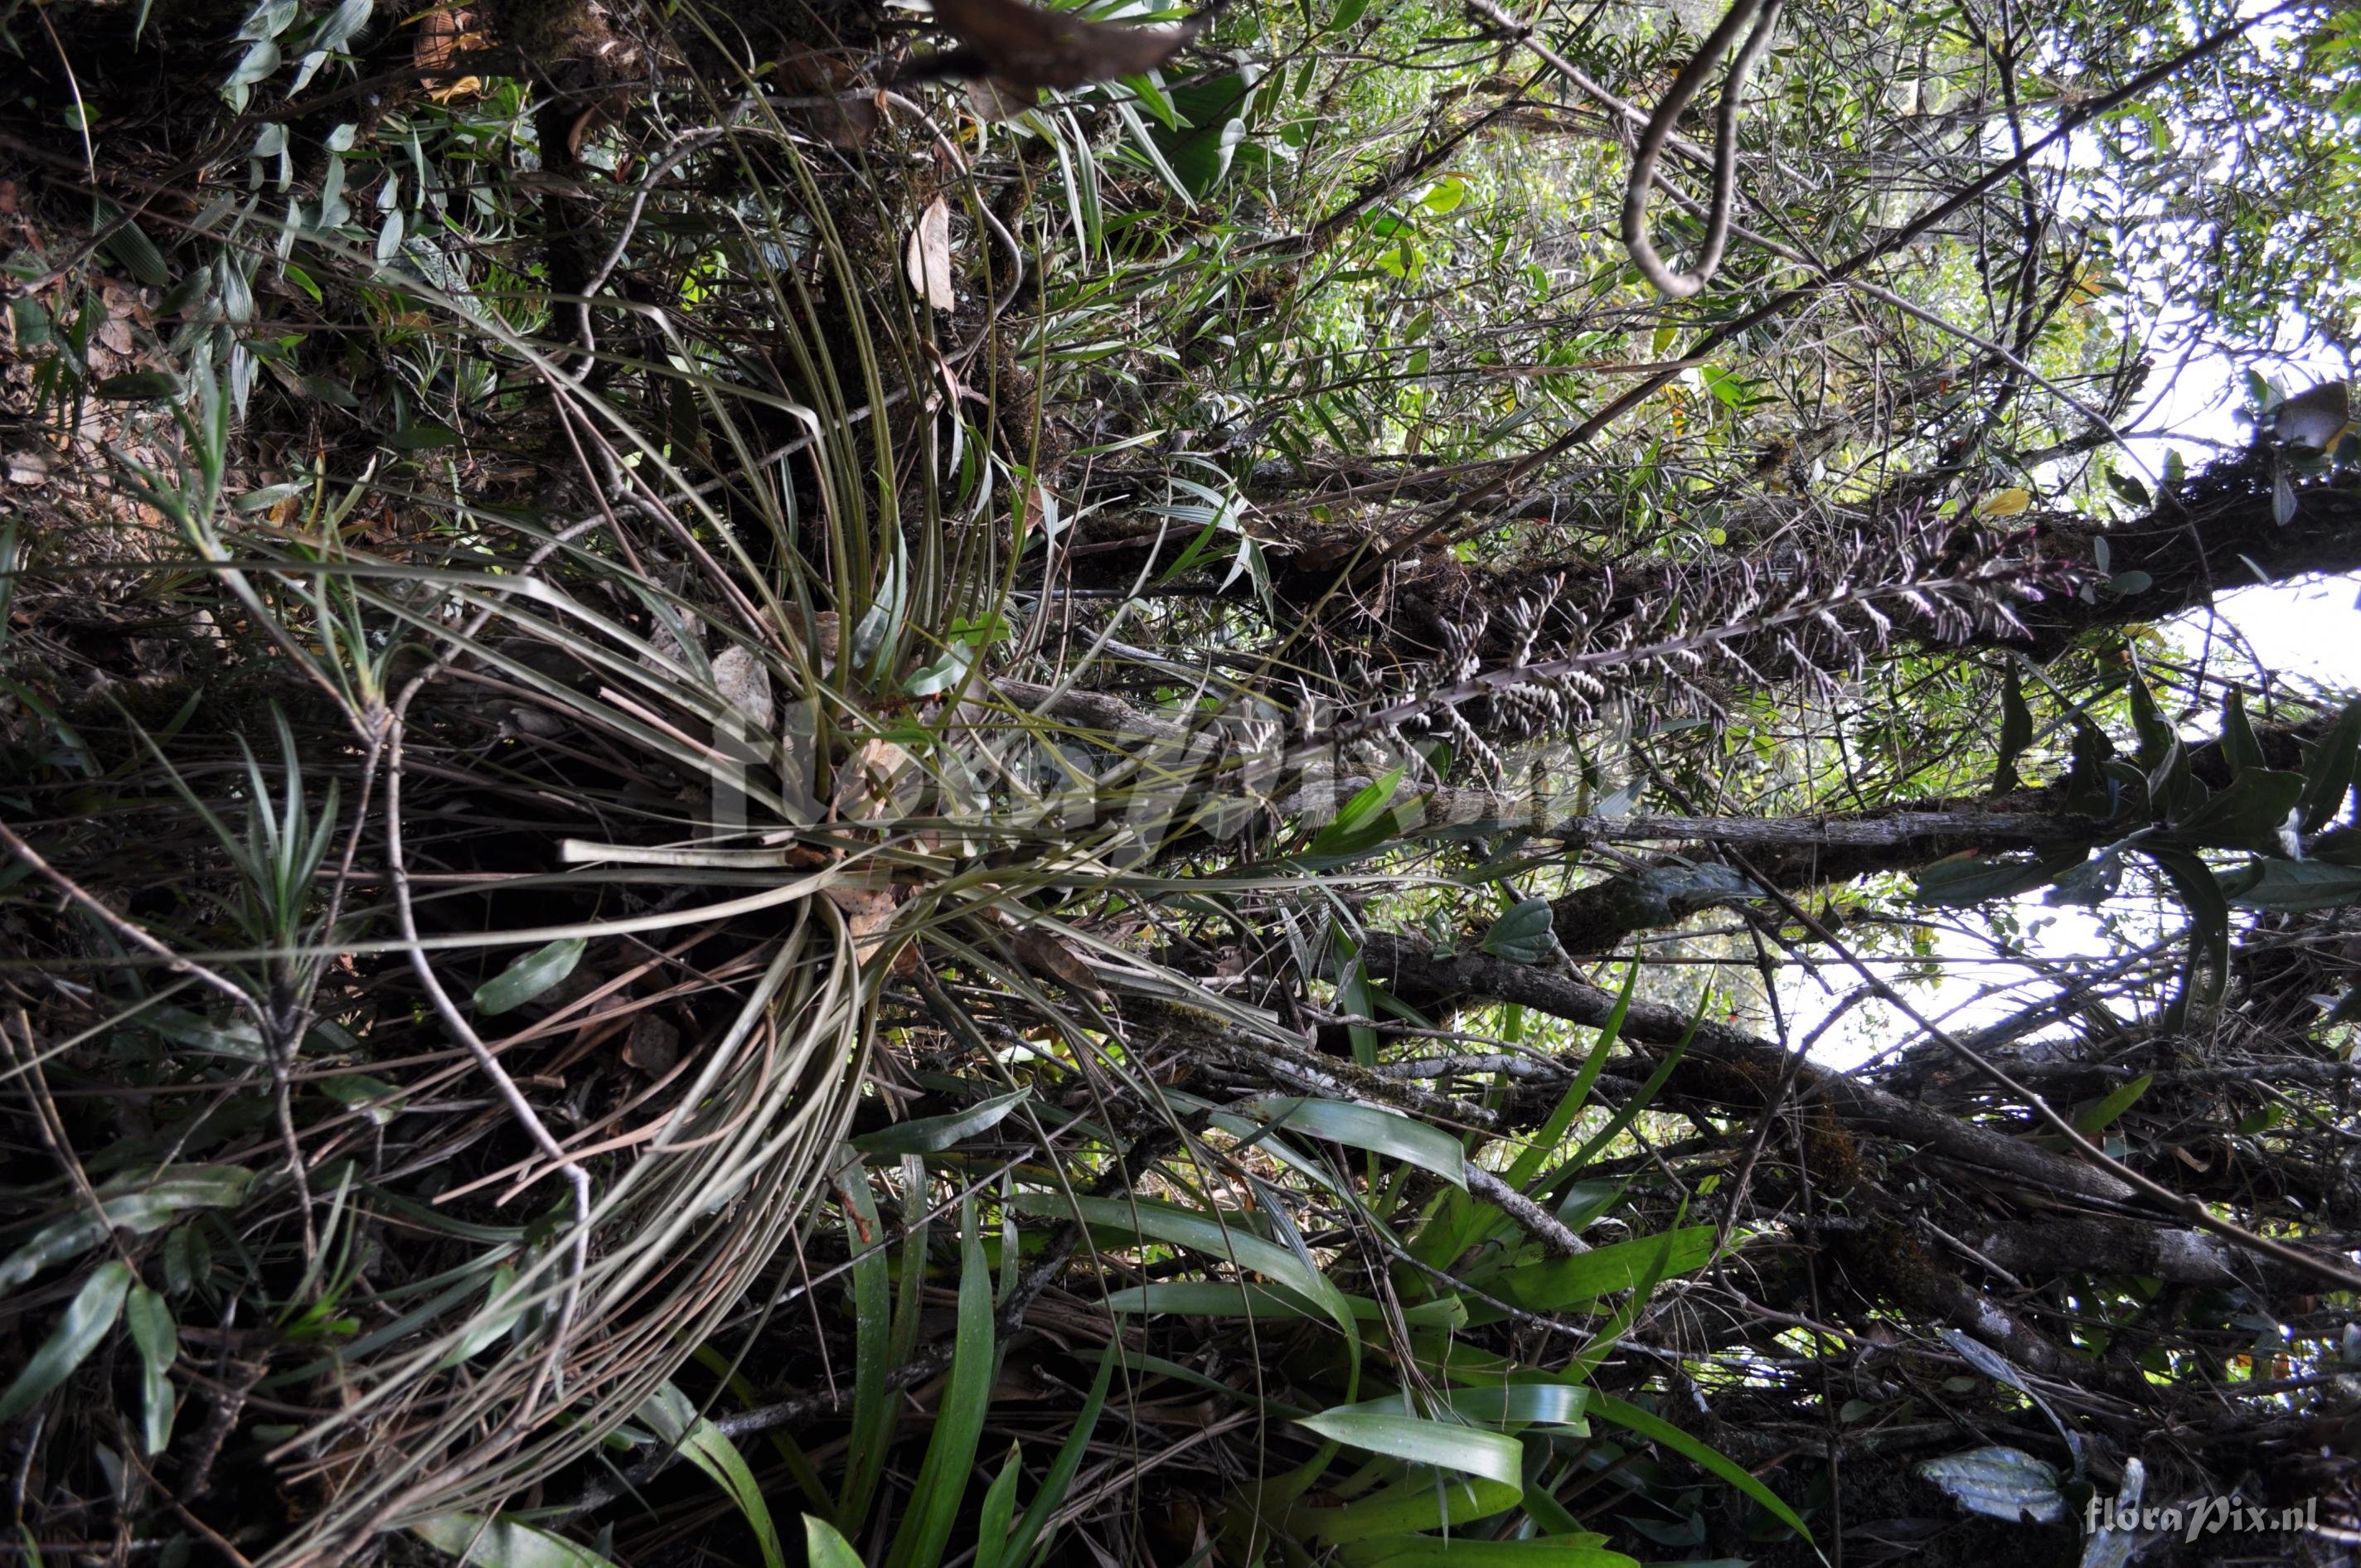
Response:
column 1387, row 1133
column 1447, row 1445
column 529, row 976
column 504, row 1543
column 2000, row 1483
column 158, row 1341
column 932, row 1134
column 77, row 1333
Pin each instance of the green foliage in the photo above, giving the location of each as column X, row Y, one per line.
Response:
column 751, row 749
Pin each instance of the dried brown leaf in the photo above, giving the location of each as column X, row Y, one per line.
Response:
column 929, row 259
column 1026, row 48
column 745, row 683
column 878, row 783
column 653, row 1046
column 846, row 120
column 1046, row 956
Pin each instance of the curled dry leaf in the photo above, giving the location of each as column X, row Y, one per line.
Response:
column 1025, row 48
column 668, row 654
column 929, row 259
column 846, row 119
column 590, row 123
column 653, row 1046
column 443, row 34
column 1046, row 956
column 824, row 642
column 868, row 913
column 745, row 683
column 877, row 784
column 993, row 100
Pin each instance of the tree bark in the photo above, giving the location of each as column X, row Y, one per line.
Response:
column 1421, row 977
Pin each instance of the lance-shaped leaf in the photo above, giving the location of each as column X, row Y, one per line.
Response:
column 87, row 1319
column 932, row 1134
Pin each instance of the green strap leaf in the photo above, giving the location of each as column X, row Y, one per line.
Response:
column 670, row 1415
column 1424, row 1498
column 999, row 1510
column 1560, row 1283
column 932, row 1134
column 951, row 1454
column 1445, row 1445
column 873, row 1409
column 1062, row 1469
column 1505, row 1404
column 158, row 1341
column 825, row 1547
column 1655, row 1429
column 504, row 1543
column 529, row 976
column 1387, row 1133
column 86, row 1320
column 1230, row 1298
column 2239, row 745
column 137, row 1208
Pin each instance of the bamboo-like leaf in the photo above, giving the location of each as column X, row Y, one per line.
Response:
column 670, row 1415
column 1031, row 1529
column 2207, row 969
column 825, row 1547
column 158, row 1339
column 1655, row 1429
column 2293, row 887
column 1541, row 1552
column 992, row 1524
column 1444, row 1445
column 2099, row 1117
column 932, row 1134
column 2239, row 744
column 1364, row 821
column 2330, row 770
column 529, row 975
column 951, row 1453
column 1561, row 1283
column 1387, row 1133
column 504, row 1543
column 85, row 1321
